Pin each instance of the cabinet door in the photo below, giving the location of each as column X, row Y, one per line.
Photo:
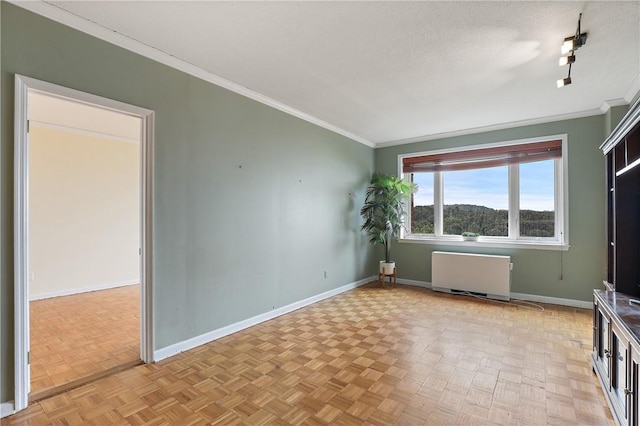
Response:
column 633, row 384
column 603, row 353
column 619, row 373
column 594, row 350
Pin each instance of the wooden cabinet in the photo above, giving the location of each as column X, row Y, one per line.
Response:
column 622, row 151
column 616, row 321
column 616, row 353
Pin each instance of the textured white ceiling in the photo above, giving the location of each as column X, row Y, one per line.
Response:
column 391, row 71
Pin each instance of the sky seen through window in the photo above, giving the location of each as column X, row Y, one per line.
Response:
column 489, row 187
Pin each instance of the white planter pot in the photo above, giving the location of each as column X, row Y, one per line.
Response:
column 387, row 267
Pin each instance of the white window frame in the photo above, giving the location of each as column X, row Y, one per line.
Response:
column 559, row 242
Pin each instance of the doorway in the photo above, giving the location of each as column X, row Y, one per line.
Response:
column 38, row 266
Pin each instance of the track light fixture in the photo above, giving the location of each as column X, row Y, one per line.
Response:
column 564, row 82
column 567, row 60
column 568, row 49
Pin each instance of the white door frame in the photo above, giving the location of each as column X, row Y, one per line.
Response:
column 21, row 221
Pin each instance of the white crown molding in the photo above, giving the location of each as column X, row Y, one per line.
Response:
column 628, row 122
column 633, row 90
column 607, row 105
column 81, row 132
column 501, row 126
column 55, row 13
column 202, row 339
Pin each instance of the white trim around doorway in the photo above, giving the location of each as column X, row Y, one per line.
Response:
column 21, row 214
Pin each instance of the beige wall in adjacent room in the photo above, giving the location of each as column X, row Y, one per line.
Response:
column 84, row 212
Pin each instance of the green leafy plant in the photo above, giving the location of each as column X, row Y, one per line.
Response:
column 470, row 234
column 384, row 208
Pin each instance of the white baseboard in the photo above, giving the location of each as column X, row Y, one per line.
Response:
column 202, row 339
column 553, row 300
column 7, row 409
column 423, row 284
column 520, row 296
column 70, row 291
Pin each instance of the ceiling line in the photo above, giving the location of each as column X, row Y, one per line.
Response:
column 76, row 22
column 82, row 132
column 633, row 90
column 501, row 126
column 56, row 13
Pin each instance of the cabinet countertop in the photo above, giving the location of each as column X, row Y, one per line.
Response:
column 619, row 304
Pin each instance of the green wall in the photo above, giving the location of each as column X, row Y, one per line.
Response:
column 613, row 116
column 536, row 272
column 251, row 205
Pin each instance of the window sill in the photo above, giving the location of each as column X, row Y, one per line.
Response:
column 486, row 242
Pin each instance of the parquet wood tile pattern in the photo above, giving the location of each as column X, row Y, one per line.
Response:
column 371, row 356
column 78, row 336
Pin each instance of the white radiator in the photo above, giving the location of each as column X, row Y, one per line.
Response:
column 475, row 273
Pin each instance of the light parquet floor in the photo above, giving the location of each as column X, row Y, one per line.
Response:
column 81, row 335
column 369, row 356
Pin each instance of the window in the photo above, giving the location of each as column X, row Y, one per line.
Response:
column 509, row 193
column 537, row 200
column 476, row 200
column 422, row 205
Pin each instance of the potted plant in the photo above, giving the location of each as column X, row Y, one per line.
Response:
column 383, row 212
column 470, row 236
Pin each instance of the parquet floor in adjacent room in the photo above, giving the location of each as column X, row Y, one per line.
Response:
column 368, row 356
column 81, row 335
